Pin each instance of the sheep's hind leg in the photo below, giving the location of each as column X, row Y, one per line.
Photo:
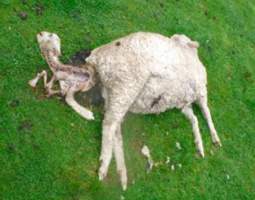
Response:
column 202, row 102
column 118, row 104
column 188, row 112
column 110, row 126
column 118, row 149
column 120, row 159
column 112, row 120
column 119, row 100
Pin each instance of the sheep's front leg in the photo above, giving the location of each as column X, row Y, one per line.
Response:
column 48, row 86
column 207, row 115
column 120, row 159
column 34, row 81
column 78, row 108
column 188, row 112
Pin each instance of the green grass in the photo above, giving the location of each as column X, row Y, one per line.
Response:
column 47, row 151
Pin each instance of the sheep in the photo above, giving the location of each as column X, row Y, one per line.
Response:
column 71, row 78
column 148, row 73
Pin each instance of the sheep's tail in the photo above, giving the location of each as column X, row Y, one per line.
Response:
column 91, row 59
column 185, row 41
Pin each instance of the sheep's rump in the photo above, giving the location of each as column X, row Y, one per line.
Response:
column 173, row 72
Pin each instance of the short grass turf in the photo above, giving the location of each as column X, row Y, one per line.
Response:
column 47, row 151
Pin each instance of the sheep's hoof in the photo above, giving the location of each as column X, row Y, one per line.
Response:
column 201, row 154
column 123, row 179
column 217, row 143
column 101, row 174
column 124, row 187
column 87, row 115
column 48, row 94
column 90, row 116
column 32, row 83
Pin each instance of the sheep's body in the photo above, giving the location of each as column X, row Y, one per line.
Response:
column 173, row 75
column 148, row 73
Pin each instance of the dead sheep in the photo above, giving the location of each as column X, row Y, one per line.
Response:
column 148, row 73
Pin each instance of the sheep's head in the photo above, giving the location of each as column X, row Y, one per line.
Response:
column 49, row 42
column 183, row 40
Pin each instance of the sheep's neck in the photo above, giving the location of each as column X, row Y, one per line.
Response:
column 53, row 62
column 56, row 65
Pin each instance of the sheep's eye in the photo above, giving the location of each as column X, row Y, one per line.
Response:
column 51, row 35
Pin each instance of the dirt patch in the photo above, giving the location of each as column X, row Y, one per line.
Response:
column 11, row 148
column 14, row 103
column 25, row 126
column 22, row 15
column 175, row 125
column 248, row 76
column 24, row 1
column 93, row 96
column 79, row 57
column 39, row 9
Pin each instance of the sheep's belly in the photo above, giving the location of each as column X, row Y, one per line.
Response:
column 160, row 94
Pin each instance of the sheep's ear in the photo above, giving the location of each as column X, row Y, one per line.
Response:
column 193, row 44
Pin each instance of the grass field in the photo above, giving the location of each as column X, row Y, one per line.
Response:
column 47, row 151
